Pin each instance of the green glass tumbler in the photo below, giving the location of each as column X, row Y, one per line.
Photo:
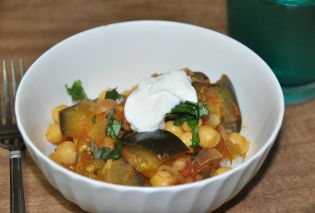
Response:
column 282, row 32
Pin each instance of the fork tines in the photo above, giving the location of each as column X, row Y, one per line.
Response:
column 10, row 81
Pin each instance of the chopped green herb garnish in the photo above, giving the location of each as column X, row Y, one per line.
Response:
column 111, row 114
column 116, row 153
column 92, row 146
column 93, row 119
column 179, row 121
column 113, row 94
column 105, row 153
column 186, row 108
column 99, row 151
column 113, row 128
column 195, row 134
column 191, row 113
column 76, row 91
column 203, row 110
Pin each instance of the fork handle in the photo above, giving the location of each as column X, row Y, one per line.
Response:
column 16, row 183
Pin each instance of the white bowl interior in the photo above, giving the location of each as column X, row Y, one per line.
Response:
column 116, row 56
column 120, row 55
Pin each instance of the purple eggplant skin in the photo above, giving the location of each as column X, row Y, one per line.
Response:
column 220, row 98
column 200, row 77
column 162, row 143
column 120, row 172
column 232, row 120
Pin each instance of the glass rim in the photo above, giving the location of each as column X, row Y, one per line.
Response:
column 293, row 2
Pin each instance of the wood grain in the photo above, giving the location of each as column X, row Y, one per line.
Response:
column 286, row 182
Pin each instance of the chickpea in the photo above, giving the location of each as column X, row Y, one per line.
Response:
column 221, row 170
column 186, row 137
column 179, row 164
column 185, row 127
column 67, row 152
column 89, row 168
column 208, row 137
column 162, row 178
column 240, row 141
column 55, row 112
column 53, row 134
column 176, row 130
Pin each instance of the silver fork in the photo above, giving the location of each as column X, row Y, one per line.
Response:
column 10, row 137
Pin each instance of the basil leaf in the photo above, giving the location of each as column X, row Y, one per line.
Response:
column 113, row 128
column 171, row 116
column 116, row 153
column 191, row 113
column 203, row 110
column 92, row 147
column 187, row 108
column 113, row 94
column 193, row 124
column 179, row 121
column 76, row 91
column 99, row 152
column 195, row 137
column 105, row 153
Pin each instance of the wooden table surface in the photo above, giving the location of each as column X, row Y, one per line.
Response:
column 285, row 183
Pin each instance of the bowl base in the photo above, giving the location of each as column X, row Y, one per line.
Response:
column 300, row 94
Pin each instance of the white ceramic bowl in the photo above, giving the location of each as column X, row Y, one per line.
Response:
column 123, row 54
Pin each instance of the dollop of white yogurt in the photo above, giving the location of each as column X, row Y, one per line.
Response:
column 146, row 107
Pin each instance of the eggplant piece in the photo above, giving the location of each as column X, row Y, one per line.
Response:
column 86, row 119
column 119, row 172
column 160, row 142
column 232, row 120
column 83, row 159
column 204, row 156
column 222, row 104
column 74, row 120
column 200, row 77
column 206, row 160
column 146, row 151
column 145, row 162
column 210, row 95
